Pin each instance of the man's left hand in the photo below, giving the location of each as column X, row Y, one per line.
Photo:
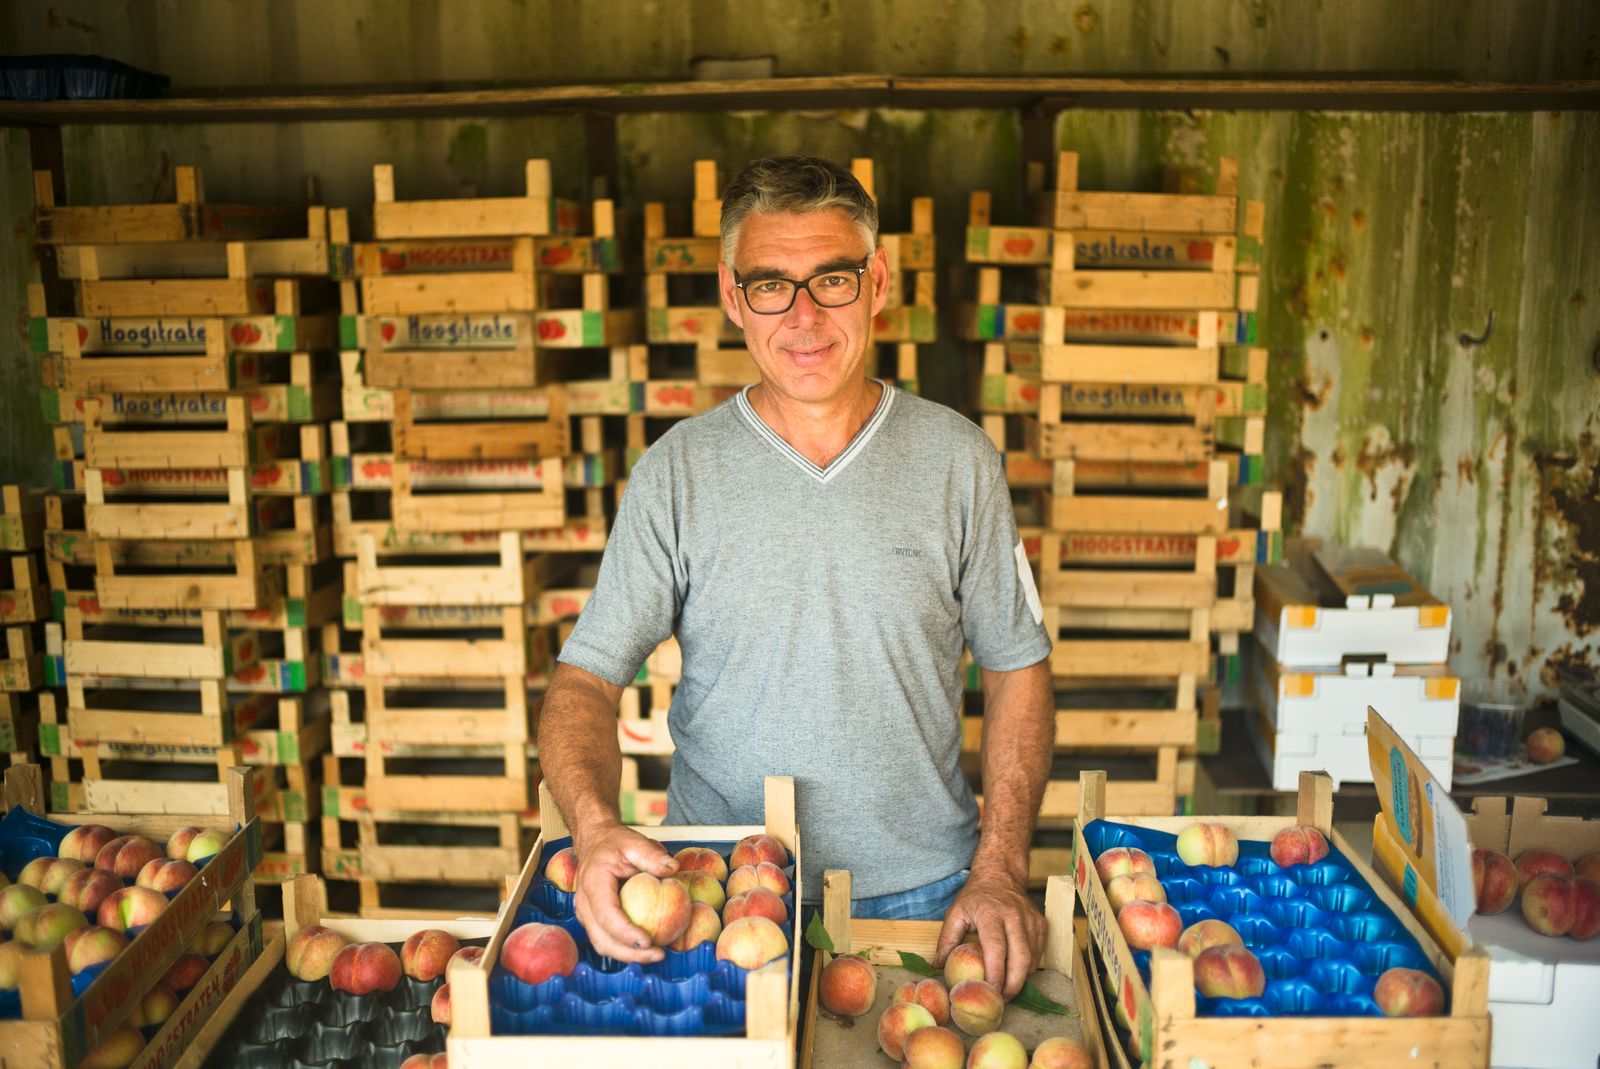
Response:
column 1010, row 930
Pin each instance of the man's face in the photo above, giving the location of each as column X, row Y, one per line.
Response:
column 809, row 354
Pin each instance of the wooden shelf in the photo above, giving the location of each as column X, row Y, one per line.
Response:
column 1354, row 92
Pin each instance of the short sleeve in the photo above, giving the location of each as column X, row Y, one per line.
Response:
column 1001, row 617
column 634, row 606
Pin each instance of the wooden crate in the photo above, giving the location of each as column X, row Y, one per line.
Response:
column 57, row 1030
column 537, row 212
column 496, row 572
column 772, row 992
column 24, row 598
column 1165, row 1012
column 21, row 518
column 191, row 217
column 21, row 659
column 1061, row 976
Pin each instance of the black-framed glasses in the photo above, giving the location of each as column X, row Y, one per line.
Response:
column 829, row 289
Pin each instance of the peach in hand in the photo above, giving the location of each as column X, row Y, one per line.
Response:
column 562, row 869
column 749, row 877
column 964, row 963
column 704, row 927
column 847, row 986
column 976, row 1006
column 1059, row 1052
column 311, row 950
column 125, row 855
column 757, row 903
column 1139, row 887
column 659, row 908
column 16, row 902
column 933, row 1048
column 1532, row 863
column 84, row 842
column 424, row 954
column 1123, row 861
column 1229, row 971
column 535, row 952
column 754, row 849
column 362, row 968
column 1211, row 845
column 702, row 887
column 1147, row 925
column 1494, row 881
column 930, row 994
column 1207, row 933
column 1299, row 845
column 751, row 942
column 1408, row 993
column 702, row 859
column 45, row 927
column 1545, row 745
column 997, row 1050
column 896, row 1023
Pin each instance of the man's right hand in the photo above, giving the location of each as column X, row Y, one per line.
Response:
column 605, row 859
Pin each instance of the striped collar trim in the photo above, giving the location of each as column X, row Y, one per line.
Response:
column 840, row 462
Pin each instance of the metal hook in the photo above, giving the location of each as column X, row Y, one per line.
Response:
column 1468, row 341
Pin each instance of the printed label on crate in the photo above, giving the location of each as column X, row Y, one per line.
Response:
column 1116, row 248
column 492, row 331
column 164, row 334
column 407, row 257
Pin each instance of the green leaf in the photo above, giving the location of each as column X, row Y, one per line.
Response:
column 817, row 935
column 1032, row 998
column 917, row 964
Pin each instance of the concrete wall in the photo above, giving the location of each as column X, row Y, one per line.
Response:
column 1389, row 235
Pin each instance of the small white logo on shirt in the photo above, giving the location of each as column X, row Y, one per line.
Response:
column 1029, row 590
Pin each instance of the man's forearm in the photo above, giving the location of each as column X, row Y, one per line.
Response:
column 1018, row 739
column 578, row 752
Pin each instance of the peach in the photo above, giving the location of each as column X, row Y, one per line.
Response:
column 1059, row 1052
column 660, row 908
column 1207, row 933
column 16, row 902
column 1299, row 845
column 206, row 844
column 178, row 842
column 84, row 842
column 49, row 874
column 930, row 994
column 87, row 888
column 754, row 849
column 562, row 869
column 185, row 972
column 976, row 1006
column 848, row 985
column 1228, row 971
column 470, row 955
column 165, row 875
column 212, row 939
column 1533, row 862
column 439, row 1007
column 1211, row 845
column 535, row 952
column 11, row 953
column 158, row 1004
column 125, row 855
column 758, row 903
column 897, row 1023
column 1147, row 925
column 426, row 1061
column 1588, row 867
column 702, row 887
column 1545, row 745
column 751, row 942
column 362, row 968
column 998, row 1050
column 425, row 954
column 1586, row 909
column 117, row 1050
column 1548, row 903
column 704, row 927
column 932, row 1048
column 130, row 907
column 766, row 874
column 88, row 947
column 1139, row 887
column 47, row 926
column 311, row 950
column 1408, row 993
column 1123, row 861
column 1494, row 881
column 702, row 859
column 964, row 963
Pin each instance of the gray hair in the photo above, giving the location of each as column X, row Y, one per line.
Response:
column 795, row 184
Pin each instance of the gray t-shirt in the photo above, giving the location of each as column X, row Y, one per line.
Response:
column 821, row 614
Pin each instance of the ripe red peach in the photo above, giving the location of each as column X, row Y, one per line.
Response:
column 311, row 950
column 164, row 874
column 660, row 908
column 1548, row 904
column 470, row 955
column 898, row 1022
column 535, row 952
column 362, row 968
column 1211, row 845
column 1207, row 933
column 754, row 849
column 88, row 947
column 1147, row 925
column 49, row 874
column 704, row 927
column 976, row 1006
column 1533, row 862
column 562, row 869
column 125, row 855
column 45, row 927
column 84, row 842
column 930, row 994
column 702, row 859
column 1140, row 887
column 848, row 985
column 131, row 907
column 1586, row 909
column 158, row 1004
column 758, row 903
column 425, row 954
column 1299, row 845
column 1123, row 861
column 749, row 877
column 933, row 1048
column 1229, row 971
column 178, row 842
column 964, row 963
column 87, row 888
column 185, row 972
column 116, row 1051
column 998, row 1050
column 16, row 902
column 1545, row 745
column 1494, row 880
column 702, row 887
column 426, row 1061
column 1059, row 1052
column 1408, row 993
column 212, row 939
column 439, row 1008
column 751, row 942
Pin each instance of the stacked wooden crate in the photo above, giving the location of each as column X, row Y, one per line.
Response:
column 24, row 606
column 1120, row 379
column 909, row 318
column 188, row 362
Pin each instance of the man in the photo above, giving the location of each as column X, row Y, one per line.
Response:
column 823, row 545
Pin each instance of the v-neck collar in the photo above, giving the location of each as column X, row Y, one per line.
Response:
column 799, row 459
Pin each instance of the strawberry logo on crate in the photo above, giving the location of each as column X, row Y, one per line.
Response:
column 1083, row 868
column 83, row 333
column 258, row 615
column 266, row 476
column 377, row 469
column 691, row 326
column 1026, row 323
column 1030, row 394
column 245, row 333
column 391, row 261
column 1200, row 252
column 566, row 606
column 259, row 402
column 387, row 330
column 1228, row 547
column 89, row 605
column 552, row 329
column 391, row 613
column 254, row 674
column 113, row 477
column 555, row 256
column 675, row 395
column 1019, row 245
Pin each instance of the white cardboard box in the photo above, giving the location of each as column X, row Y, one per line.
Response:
column 1343, row 757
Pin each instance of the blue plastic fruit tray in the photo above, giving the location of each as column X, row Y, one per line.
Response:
column 689, row 993
column 74, row 77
